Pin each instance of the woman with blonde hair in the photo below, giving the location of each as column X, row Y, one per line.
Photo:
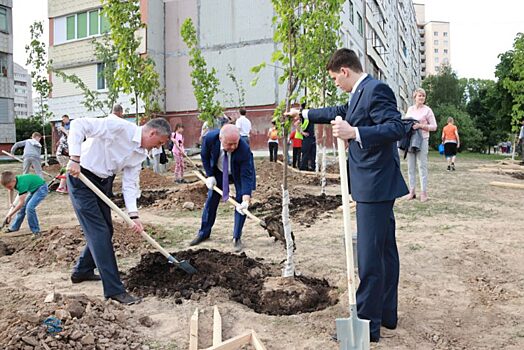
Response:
column 425, row 123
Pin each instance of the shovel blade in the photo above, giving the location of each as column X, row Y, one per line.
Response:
column 353, row 333
column 183, row 264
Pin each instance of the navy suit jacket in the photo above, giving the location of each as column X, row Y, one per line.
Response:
column 374, row 167
column 242, row 163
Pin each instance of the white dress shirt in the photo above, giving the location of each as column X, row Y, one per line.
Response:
column 221, row 160
column 112, row 145
column 244, row 125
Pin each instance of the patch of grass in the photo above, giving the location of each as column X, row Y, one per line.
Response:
column 173, row 236
column 415, row 246
column 157, row 345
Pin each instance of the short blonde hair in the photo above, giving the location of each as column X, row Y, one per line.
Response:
column 419, row 90
column 451, row 120
column 7, row 177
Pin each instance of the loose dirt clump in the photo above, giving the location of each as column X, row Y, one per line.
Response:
column 30, row 321
column 518, row 175
column 62, row 246
column 247, row 281
column 5, row 249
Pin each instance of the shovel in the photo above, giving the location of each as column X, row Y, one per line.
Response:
column 232, row 201
column 184, row 265
column 352, row 332
column 15, row 203
column 21, row 161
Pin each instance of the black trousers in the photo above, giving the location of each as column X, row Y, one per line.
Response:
column 309, row 153
column 297, row 156
column 273, row 151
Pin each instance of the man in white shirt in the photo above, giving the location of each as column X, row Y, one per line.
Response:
column 244, row 125
column 114, row 145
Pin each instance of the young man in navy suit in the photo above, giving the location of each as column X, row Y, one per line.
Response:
column 372, row 125
column 226, row 159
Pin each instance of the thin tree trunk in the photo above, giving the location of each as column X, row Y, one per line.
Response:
column 136, row 109
column 43, row 130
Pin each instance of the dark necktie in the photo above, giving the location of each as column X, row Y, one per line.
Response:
column 225, row 178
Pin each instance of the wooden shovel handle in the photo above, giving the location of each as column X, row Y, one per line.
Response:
column 21, row 161
column 126, row 218
column 344, row 187
column 230, row 200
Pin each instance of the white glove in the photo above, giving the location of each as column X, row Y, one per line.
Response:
column 210, row 182
column 241, row 207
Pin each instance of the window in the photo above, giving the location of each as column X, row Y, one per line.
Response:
column 4, row 110
column 351, row 13
column 4, row 20
column 445, row 34
column 435, row 33
column 100, row 80
column 445, row 43
column 437, row 69
column 436, row 60
column 93, row 22
column 436, row 50
column 360, row 24
column 71, row 32
column 79, row 26
column 4, row 65
column 435, row 42
column 445, row 51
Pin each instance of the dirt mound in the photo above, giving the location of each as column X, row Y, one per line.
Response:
column 62, row 246
column 52, row 169
column 65, row 322
column 195, row 193
column 5, row 249
column 150, row 180
column 147, row 198
column 518, row 175
column 248, row 281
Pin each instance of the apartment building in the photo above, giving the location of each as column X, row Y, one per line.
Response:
column 7, row 118
column 237, row 34
column 434, row 42
column 73, row 25
column 23, row 92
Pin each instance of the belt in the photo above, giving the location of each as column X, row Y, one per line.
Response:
column 93, row 177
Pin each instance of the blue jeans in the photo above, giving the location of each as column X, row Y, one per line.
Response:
column 31, row 202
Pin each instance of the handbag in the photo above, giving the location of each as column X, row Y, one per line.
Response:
column 441, row 148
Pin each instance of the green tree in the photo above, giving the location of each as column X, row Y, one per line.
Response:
column 205, row 83
column 470, row 136
column 37, row 59
column 93, row 100
column 25, row 127
column 444, row 88
column 513, row 82
column 135, row 73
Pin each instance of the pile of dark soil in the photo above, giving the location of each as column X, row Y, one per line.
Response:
column 147, row 198
column 248, row 281
column 85, row 323
column 53, row 169
column 6, row 249
column 518, row 175
column 303, row 210
column 151, row 180
column 62, row 246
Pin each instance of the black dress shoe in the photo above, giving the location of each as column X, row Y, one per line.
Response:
column 125, row 298
column 198, row 239
column 83, row 278
column 389, row 326
column 374, row 338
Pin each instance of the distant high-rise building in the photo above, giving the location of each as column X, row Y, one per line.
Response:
column 7, row 119
column 435, row 44
column 23, row 93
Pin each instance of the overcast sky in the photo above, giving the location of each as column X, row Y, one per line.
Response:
column 479, row 31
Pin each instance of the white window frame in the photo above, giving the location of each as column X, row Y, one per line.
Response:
column 60, row 27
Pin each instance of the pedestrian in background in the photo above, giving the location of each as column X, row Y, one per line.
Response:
column 178, row 152
column 244, row 125
column 426, row 123
column 32, row 151
column 272, row 142
column 451, row 141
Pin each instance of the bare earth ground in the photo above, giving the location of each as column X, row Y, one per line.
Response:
column 461, row 284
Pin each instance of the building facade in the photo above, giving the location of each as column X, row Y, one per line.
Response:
column 73, row 25
column 382, row 32
column 7, row 117
column 435, row 43
column 23, row 92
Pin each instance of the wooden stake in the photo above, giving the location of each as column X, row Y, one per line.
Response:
column 193, row 331
column 233, row 343
column 217, row 327
column 256, row 342
column 507, row 185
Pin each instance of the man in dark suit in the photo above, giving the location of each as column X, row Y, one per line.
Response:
column 226, row 158
column 372, row 126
